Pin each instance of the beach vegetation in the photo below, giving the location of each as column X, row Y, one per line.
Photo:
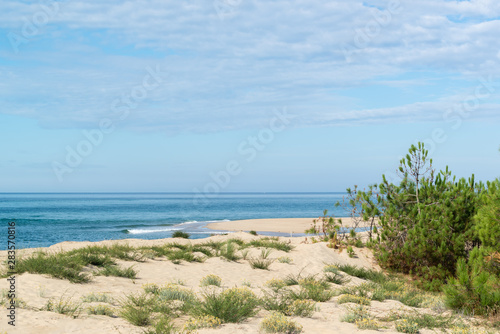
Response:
column 231, row 305
column 211, row 280
column 229, row 251
column 137, row 309
column 114, row 270
column 100, row 310
column 360, row 272
column 260, row 263
column 356, row 313
column 332, row 274
column 277, row 322
column 317, row 290
column 98, row 298
column 180, row 234
column 163, row 325
column 205, row 321
column 347, row 298
column 284, row 259
column 405, row 326
column 368, row 324
column 64, row 305
column 268, row 242
column 253, row 232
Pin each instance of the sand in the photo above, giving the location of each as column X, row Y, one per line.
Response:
column 282, row 225
column 307, row 259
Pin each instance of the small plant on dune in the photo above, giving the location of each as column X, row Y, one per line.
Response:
column 333, row 275
column 270, row 243
column 151, row 288
column 100, row 310
column 64, row 306
column 58, row 265
column 363, row 273
column 162, row 326
column 353, row 299
column 354, row 314
column 206, row 321
column 275, row 284
column 405, row 326
column 136, row 309
column 175, row 292
column 302, row 308
column 231, row 305
column 244, row 254
column 313, row 289
column 97, row 297
column 180, row 234
column 260, row 263
column 367, row 324
column 350, row 251
column 211, row 280
column 277, row 300
column 253, row 232
column 228, row 251
column 113, row 270
column 276, row 322
column 285, row 259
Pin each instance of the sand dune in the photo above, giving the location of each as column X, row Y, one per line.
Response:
column 307, row 259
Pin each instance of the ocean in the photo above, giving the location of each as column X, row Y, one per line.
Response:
column 46, row 219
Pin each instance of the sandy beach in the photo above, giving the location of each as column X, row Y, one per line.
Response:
column 305, row 259
column 281, row 225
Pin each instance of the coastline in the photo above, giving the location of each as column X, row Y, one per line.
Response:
column 278, row 225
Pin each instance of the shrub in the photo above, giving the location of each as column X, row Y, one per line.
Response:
column 474, row 290
column 206, row 321
column 231, row 305
column 301, row 308
column 253, row 232
column 279, row 300
column 487, row 219
column 427, row 220
column 113, row 270
column 315, row 290
column 275, row 284
column 367, row 324
column 180, row 234
column 285, row 259
column 333, row 275
column 64, row 306
column 271, row 243
column 405, row 326
column 136, row 309
column 353, row 299
column 97, row 297
column 278, row 323
column 355, row 314
column 162, row 326
column 211, row 280
column 363, row 273
column 260, row 263
column 228, row 251
column 100, row 310
column 175, row 292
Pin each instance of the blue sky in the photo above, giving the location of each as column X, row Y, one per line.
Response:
column 243, row 95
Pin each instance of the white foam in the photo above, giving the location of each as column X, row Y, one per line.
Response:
column 142, row 231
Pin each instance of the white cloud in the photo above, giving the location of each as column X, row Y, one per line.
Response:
column 229, row 71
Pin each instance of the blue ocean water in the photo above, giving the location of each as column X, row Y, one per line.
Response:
column 46, row 219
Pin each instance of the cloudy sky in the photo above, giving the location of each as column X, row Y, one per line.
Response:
column 243, row 95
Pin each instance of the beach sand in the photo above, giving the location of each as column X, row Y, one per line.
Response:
column 282, row 225
column 307, row 259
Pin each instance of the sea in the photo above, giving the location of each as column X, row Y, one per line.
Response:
column 44, row 219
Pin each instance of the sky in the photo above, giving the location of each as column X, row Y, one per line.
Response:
column 243, row 95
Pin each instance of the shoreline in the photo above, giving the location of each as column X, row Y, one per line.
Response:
column 277, row 225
